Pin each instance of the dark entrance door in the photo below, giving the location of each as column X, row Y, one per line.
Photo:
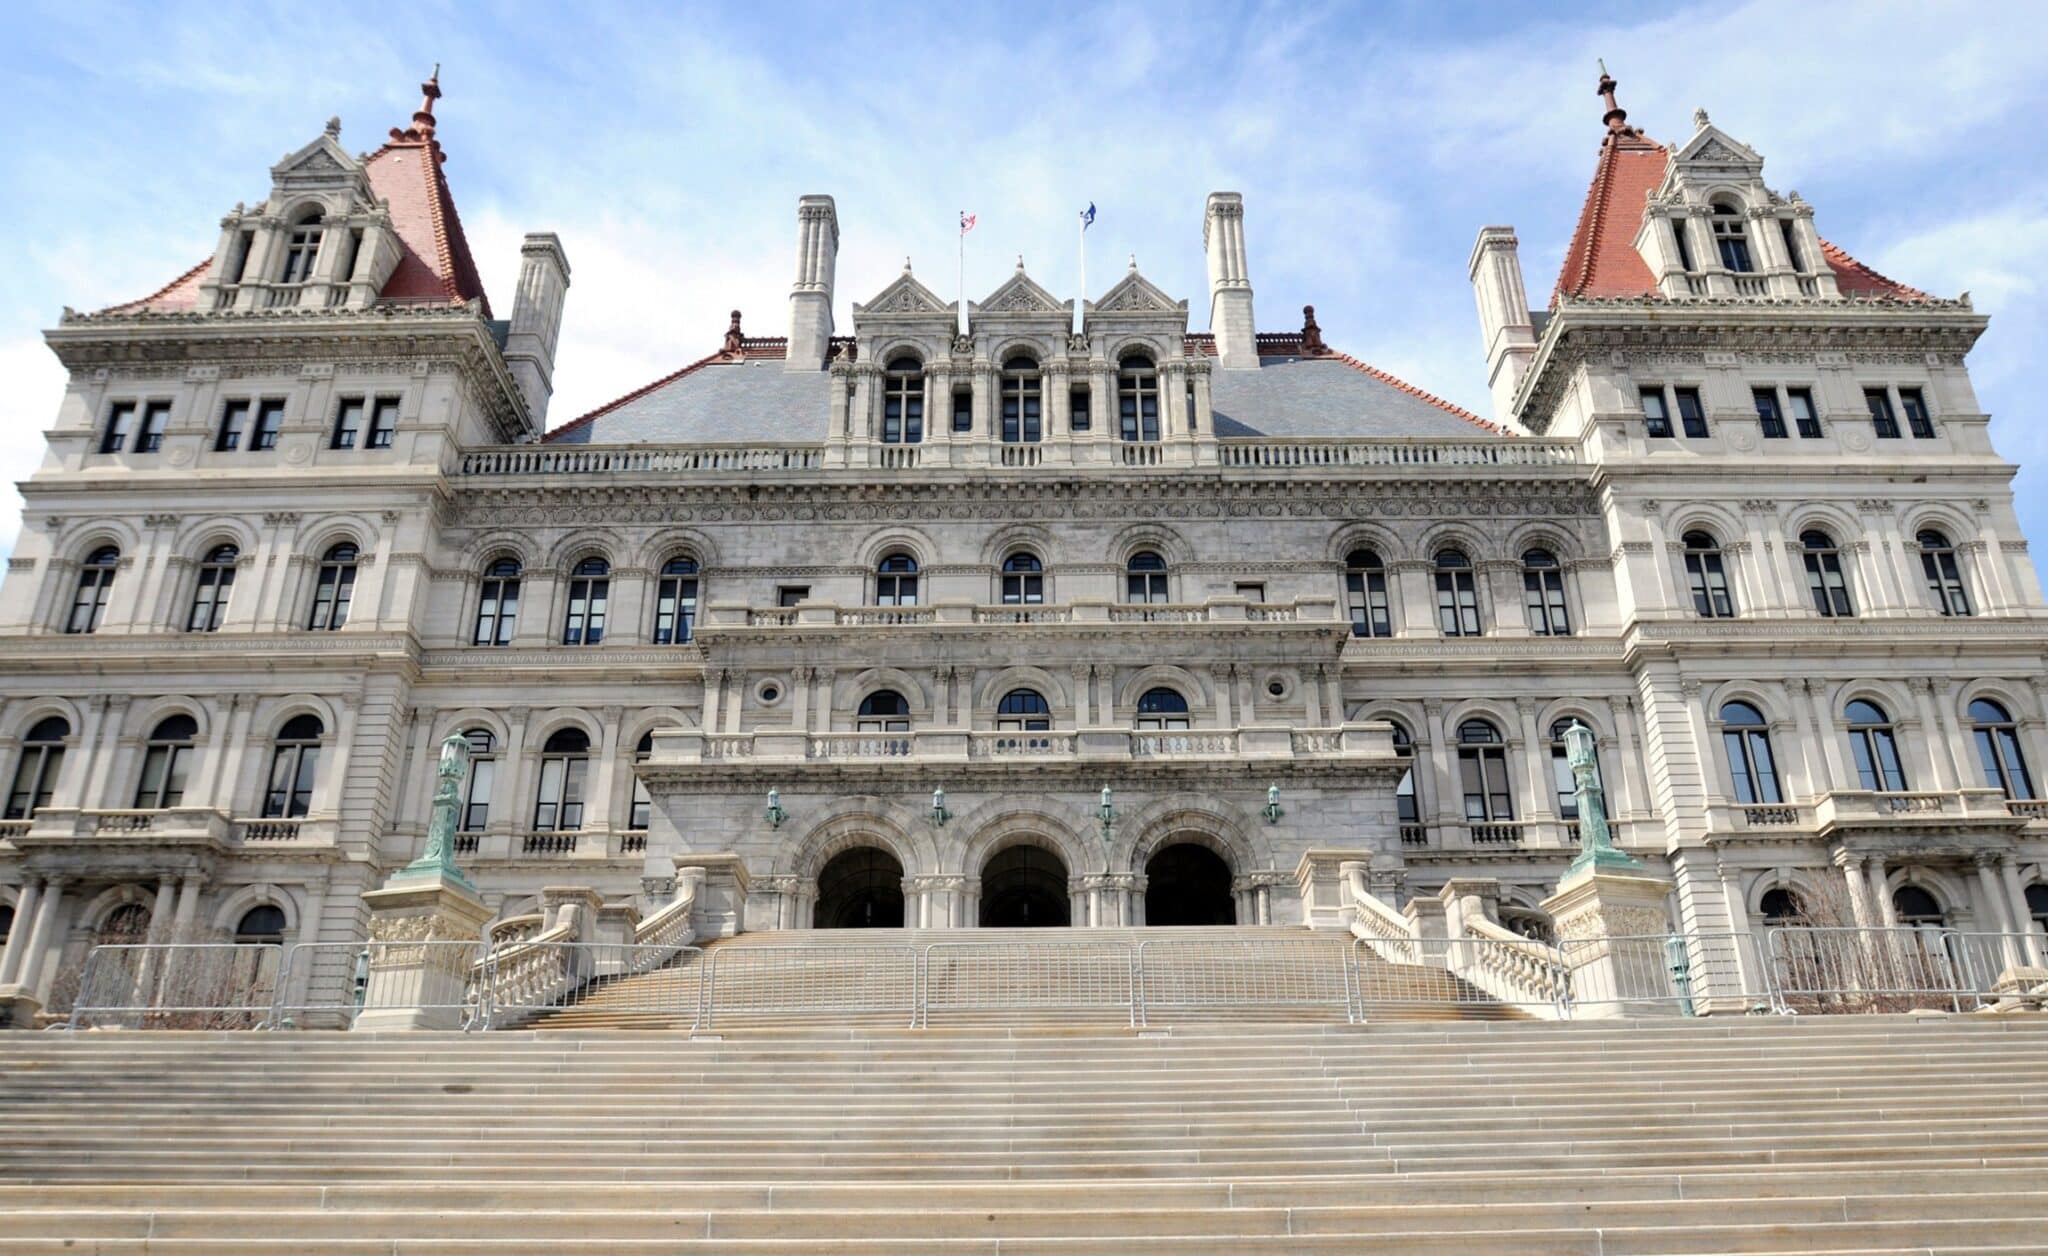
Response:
column 1023, row 887
column 861, row 888
column 1188, row 884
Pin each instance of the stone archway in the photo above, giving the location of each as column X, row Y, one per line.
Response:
column 1188, row 884
column 860, row 888
column 1024, row 886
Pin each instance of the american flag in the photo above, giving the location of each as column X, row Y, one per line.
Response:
column 966, row 222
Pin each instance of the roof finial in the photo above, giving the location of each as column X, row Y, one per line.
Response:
column 1312, row 345
column 1020, row 263
column 1699, row 120
column 906, row 264
column 1616, row 117
column 334, row 128
column 1134, row 263
column 733, row 346
column 430, row 91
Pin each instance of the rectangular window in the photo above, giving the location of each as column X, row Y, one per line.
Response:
column 383, row 422
column 348, row 423
column 1768, row 415
column 1918, row 421
column 1791, row 235
column 1804, row 417
column 1252, row 592
column 269, row 422
column 234, row 425
column 156, row 416
column 1678, row 231
column 1656, row 419
column 120, row 422
column 1692, row 416
column 1881, row 416
column 476, row 807
column 1077, row 410
column 963, row 411
column 791, row 594
column 238, row 257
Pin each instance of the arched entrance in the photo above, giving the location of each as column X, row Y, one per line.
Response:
column 1188, row 884
column 1024, row 887
column 860, row 888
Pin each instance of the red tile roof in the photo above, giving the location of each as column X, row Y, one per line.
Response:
column 181, row 293
column 1857, row 280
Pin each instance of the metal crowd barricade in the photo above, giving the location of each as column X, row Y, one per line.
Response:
column 879, row 979
column 179, row 985
column 325, row 984
column 1068, row 976
column 517, row 983
column 1686, row 974
column 1817, row 970
column 1217, row 973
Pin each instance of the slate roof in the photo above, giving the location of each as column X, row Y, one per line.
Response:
column 724, row 398
column 1330, row 396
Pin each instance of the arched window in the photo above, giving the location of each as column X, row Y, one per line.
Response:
column 1998, row 749
column 1875, row 748
column 95, row 580
column 1137, row 398
column 261, row 926
column 590, row 592
column 1023, row 710
column 483, row 774
column 1731, row 237
column 1708, row 576
column 1162, row 708
column 1746, row 741
column 293, row 768
column 1944, row 574
column 1023, row 580
column 334, row 588
column 643, row 802
column 210, row 593
column 1021, row 396
column 1781, row 907
column 166, row 759
column 126, row 925
column 1483, row 771
column 35, row 773
column 564, row 767
column 1457, row 596
column 675, row 601
column 883, row 711
column 1543, row 593
column 1365, row 592
column 903, row 402
column 1145, row 577
column 1917, row 909
column 301, row 248
column 1407, row 803
column 497, row 606
column 896, row 581
column 1824, row 578
column 1561, row 771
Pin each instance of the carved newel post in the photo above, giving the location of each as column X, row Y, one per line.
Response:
column 1604, row 896
column 425, row 923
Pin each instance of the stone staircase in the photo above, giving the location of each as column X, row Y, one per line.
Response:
column 1755, row 1134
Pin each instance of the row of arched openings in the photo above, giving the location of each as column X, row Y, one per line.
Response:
column 1020, row 401
column 1025, row 886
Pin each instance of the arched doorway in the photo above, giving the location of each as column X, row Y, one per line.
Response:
column 860, row 888
column 1024, row 887
column 1188, row 884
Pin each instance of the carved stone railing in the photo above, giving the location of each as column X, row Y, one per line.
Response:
column 2028, row 808
column 1019, row 745
column 10, row 829
column 729, row 746
column 865, row 616
column 1023, row 614
column 1343, row 452
column 516, row 929
column 303, row 831
column 1317, row 740
column 549, row 844
column 668, row 927
column 510, row 460
column 530, row 972
column 770, row 748
column 1314, row 610
column 1510, row 967
column 1385, row 932
column 633, row 842
column 1175, row 743
column 860, row 746
column 1158, row 613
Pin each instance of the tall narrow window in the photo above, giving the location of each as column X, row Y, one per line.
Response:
column 1137, row 399
column 1023, row 580
column 1874, row 747
column 166, row 758
column 883, row 711
column 302, row 249
column 903, row 402
column 95, row 581
column 1998, row 749
column 896, row 581
column 590, row 590
column 963, row 411
column 1918, row 420
column 1790, row 231
column 35, row 773
column 564, row 767
column 497, row 604
column 1768, row 416
column 1078, row 417
column 1162, row 709
column 675, row 601
column 334, row 588
column 1708, row 576
column 1804, row 417
column 1406, row 804
column 1746, row 741
column 120, row 426
column 383, row 422
column 1656, row 416
column 269, row 423
column 1483, row 771
column 1365, row 592
column 1692, row 416
column 234, row 425
column 1679, row 234
column 1824, row 578
column 1021, row 398
column 1543, row 594
column 1145, row 577
column 1731, row 238
column 1944, row 574
column 1566, row 783
column 1882, row 418
column 294, row 767
column 348, row 423
column 210, row 593
column 483, row 775
column 642, row 809
column 1457, row 595
column 156, row 417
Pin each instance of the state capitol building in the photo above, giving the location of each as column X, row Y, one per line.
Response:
column 1079, row 617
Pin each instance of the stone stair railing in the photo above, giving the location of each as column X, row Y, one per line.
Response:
column 1384, row 931
column 1512, row 968
column 658, row 938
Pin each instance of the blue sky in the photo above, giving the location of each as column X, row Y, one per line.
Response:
column 667, row 146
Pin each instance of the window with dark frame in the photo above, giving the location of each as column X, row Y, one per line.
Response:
column 1768, row 416
column 1021, row 402
column 1918, row 420
column 1656, row 416
column 156, row 417
column 1944, row 574
column 383, row 423
column 903, row 402
column 675, row 601
column 334, row 588
column 1365, row 592
column 1707, row 575
column 234, row 425
column 963, row 411
column 1457, row 595
column 294, row 767
column 348, row 423
column 1882, row 418
column 1543, row 594
column 120, row 425
column 269, row 423
column 497, row 604
column 1805, row 419
column 1078, row 418
column 589, row 597
column 1825, row 581
column 95, row 581
column 210, row 592
column 1483, row 772
column 1692, row 416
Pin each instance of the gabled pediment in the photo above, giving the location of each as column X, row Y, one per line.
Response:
column 1135, row 294
column 1711, row 146
column 905, row 296
column 322, row 165
column 1021, row 294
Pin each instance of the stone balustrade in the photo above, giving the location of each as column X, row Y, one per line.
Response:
column 788, row 746
column 719, row 616
column 1866, row 809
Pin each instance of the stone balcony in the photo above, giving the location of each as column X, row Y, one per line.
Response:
column 111, row 834
column 1541, row 835
column 1843, row 812
column 566, row 846
column 719, row 617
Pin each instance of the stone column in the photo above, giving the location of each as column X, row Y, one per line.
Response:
column 17, row 937
column 1880, row 891
column 1540, row 798
column 2015, row 902
column 1940, row 755
column 1859, row 893
column 30, row 973
column 188, row 909
column 1996, row 910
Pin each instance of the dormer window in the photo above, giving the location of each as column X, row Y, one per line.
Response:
column 903, row 402
column 1678, row 234
column 1137, row 398
column 1790, row 231
column 302, row 248
column 1732, row 238
column 1021, row 401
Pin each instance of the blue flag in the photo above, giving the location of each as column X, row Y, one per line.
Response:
column 1088, row 216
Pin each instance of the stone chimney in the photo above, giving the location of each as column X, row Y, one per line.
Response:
column 810, row 298
column 537, row 320
column 1230, row 284
column 1504, row 324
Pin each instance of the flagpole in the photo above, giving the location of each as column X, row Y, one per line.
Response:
column 963, row 272
column 1081, row 300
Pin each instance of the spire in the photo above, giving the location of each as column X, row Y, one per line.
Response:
column 422, row 127
column 735, row 346
column 1616, row 117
